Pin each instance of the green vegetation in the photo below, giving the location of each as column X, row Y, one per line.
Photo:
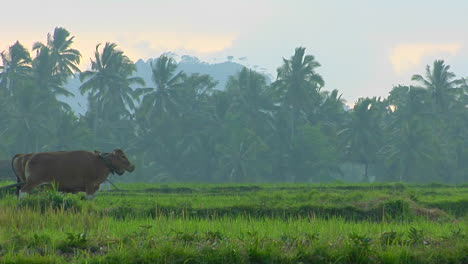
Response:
column 291, row 130
column 289, row 133
column 202, row 223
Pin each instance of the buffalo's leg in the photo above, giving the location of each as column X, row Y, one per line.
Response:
column 91, row 190
column 28, row 187
column 18, row 188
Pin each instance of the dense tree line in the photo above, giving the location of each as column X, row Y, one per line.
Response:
column 178, row 128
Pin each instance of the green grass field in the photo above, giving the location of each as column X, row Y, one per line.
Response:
column 284, row 223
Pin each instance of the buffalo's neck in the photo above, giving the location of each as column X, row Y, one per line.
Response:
column 105, row 157
column 103, row 174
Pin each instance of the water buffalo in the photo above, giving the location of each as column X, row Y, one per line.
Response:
column 71, row 171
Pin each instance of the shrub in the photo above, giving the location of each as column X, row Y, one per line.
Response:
column 391, row 238
column 415, row 236
column 359, row 249
column 73, row 242
column 395, row 209
column 52, row 199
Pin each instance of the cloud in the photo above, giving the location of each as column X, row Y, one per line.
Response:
column 136, row 45
column 405, row 57
column 149, row 45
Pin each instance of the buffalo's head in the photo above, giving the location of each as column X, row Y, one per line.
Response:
column 120, row 162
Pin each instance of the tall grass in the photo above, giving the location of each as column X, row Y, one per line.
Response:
column 50, row 227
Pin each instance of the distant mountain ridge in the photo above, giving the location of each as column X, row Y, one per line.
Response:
column 188, row 64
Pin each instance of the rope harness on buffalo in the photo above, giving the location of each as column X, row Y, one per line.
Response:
column 105, row 158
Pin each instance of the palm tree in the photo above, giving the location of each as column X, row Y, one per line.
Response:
column 194, row 94
column 411, row 149
column 55, row 61
column 408, row 139
column 163, row 97
column 110, row 95
column 294, row 93
column 458, row 135
column 35, row 105
column 109, row 82
column 446, row 93
column 46, row 80
column 440, row 84
column 65, row 59
column 69, row 132
column 313, row 156
column 16, row 66
column 248, row 90
column 239, row 155
column 298, row 85
column 33, row 88
column 331, row 112
column 407, row 102
column 32, row 115
column 362, row 134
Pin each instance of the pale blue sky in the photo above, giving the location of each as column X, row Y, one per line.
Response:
column 364, row 46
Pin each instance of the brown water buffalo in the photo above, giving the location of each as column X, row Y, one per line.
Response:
column 72, row 171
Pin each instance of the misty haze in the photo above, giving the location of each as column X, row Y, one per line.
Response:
column 200, row 150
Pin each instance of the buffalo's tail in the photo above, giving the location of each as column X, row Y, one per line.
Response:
column 18, row 180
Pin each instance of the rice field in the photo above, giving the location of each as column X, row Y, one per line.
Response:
column 195, row 223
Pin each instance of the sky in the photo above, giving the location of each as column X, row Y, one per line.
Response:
column 365, row 47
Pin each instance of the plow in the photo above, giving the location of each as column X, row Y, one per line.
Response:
column 7, row 187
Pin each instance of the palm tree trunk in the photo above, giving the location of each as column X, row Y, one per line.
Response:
column 95, row 130
column 293, row 124
column 405, row 172
column 366, row 169
column 8, row 86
